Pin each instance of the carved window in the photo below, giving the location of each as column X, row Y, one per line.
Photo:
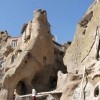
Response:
column 44, row 61
column 1, row 64
column 96, row 91
column 84, row 32
column 14, row 43
column 12, row 59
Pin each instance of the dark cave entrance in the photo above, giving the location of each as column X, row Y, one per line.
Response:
column 96, row 91
column 21, row 88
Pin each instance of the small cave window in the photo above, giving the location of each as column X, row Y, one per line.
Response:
column 84, row 32
column 48, row 32
column 29, row 55
column 26, row 61
column 19, row 51
column 44, row 61
column 76, row 71
column 27, row 37
column 12, row 59
column 96, row 91
column 1, row 64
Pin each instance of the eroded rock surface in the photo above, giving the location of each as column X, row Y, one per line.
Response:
column 34, row 62
column 35, row 52
column 85, row 46
column 82, row 58
column 37, row 59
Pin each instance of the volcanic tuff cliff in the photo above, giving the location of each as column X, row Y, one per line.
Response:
column 82, row 58
column 36, row 60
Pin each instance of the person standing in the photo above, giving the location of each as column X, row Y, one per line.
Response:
column 33, row 94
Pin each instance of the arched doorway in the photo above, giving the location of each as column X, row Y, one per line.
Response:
column 21, row 88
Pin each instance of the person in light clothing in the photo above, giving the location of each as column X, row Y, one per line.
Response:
column 33, row 94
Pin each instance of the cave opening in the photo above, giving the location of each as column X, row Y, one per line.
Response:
column 44, row 61
column 96, row 91
column 97, row 56
column 21, row 88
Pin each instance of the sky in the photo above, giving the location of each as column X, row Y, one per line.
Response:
column 63, row 15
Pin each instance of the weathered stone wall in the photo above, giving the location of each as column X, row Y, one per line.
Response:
column 34, row 62
column 85, row 45
column 82, row 59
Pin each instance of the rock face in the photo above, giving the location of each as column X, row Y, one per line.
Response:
column 29, row 57
column 35, row 61
column 3, row 40
column 86, row 44
column 82, row 58
column 5, row 50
